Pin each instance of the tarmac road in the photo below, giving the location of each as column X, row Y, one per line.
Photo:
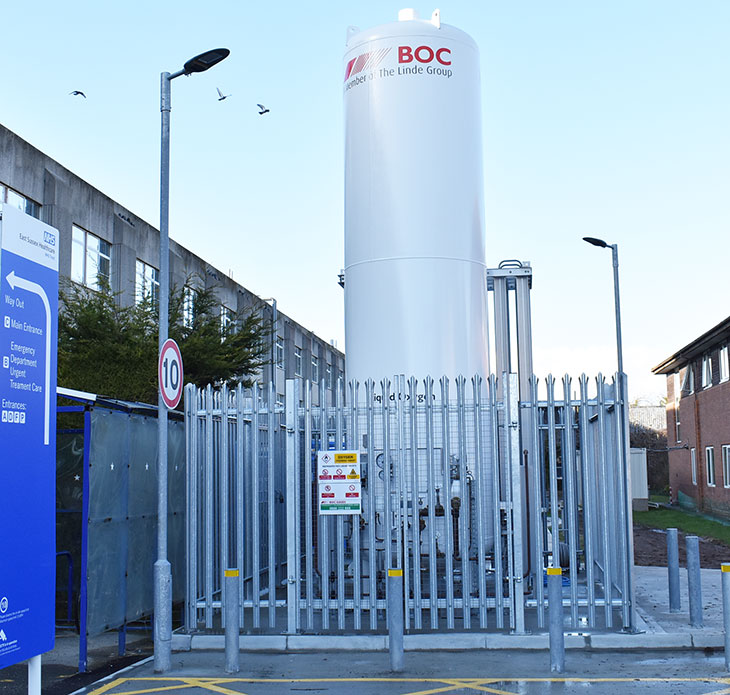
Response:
column 505, row 672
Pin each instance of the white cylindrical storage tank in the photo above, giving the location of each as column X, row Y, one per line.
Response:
column 415, row 286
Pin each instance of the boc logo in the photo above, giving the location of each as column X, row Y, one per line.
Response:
column 3, row 604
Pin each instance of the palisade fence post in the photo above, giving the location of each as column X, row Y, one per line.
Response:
column 673, row 570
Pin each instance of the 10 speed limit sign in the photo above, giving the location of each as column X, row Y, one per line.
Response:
column 170, row 372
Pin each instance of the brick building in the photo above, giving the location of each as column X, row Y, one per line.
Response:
column 698, row 421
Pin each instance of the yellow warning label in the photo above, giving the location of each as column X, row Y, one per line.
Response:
column 554, row 570
column 230, row 573
column 395, row 573
column 353, row 475
column 346, row 458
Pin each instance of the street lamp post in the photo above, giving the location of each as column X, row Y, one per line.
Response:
column 162, row 574
column 621, row 397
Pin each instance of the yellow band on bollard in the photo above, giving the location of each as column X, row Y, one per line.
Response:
column 554, row 570
column 725, row 566
column 230, row 573
column 395, row 573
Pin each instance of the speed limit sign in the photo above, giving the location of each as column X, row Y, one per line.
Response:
column 170, row 373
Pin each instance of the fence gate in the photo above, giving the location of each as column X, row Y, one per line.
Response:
column 471, row 495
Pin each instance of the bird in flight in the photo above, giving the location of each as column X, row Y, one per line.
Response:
column 262, row 110
column 221, row 96
column 77, row 93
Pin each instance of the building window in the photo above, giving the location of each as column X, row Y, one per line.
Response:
column 188, row 306
column 26, row 205
column 724, row 364
column 298, row 361
column 726, row 465
column 315, row 368
column 710, row 464
column 90, row 259
column 226, row 320
column 706, row 372
column 279, row 352
column 147, row 284
column 693, row 465
column 329, row 377
column 688, row 383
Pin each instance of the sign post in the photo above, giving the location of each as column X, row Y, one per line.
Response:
column 28, row 351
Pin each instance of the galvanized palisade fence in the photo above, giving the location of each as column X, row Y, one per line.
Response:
column 469, row 491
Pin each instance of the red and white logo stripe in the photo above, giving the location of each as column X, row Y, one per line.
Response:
column 366, row 61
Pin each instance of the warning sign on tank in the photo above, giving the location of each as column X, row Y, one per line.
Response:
column 339, row 489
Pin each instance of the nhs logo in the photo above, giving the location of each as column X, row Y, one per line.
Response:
column 49, row 238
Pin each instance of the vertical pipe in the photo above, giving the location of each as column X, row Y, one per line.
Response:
column 34, row 675
column 555, row 603
column 232, row 625
column 726, row 610
column 395, row 618
column 675, row 603
column 694, row 581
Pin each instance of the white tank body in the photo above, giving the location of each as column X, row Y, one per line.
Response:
column 415, row 289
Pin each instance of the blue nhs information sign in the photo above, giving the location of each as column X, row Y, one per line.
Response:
column 28, row 338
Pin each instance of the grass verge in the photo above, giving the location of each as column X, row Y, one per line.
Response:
column 683, row 521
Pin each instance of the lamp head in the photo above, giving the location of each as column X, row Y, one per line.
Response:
column 595, row 242
column 205, row 61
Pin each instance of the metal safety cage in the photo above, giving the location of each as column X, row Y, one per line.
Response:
column 448, row 474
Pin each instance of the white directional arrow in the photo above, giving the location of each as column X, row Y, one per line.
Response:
column 23, row 284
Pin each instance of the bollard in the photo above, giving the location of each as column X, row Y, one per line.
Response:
column 693, row 581
column 675, row 603
column 726, row 610
column 555, row 607
column 232, row 621
column 395, row 618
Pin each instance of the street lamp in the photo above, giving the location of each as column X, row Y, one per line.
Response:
column 162, row 574
column 622, row 414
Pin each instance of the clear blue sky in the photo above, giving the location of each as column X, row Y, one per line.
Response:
column 602, row 118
